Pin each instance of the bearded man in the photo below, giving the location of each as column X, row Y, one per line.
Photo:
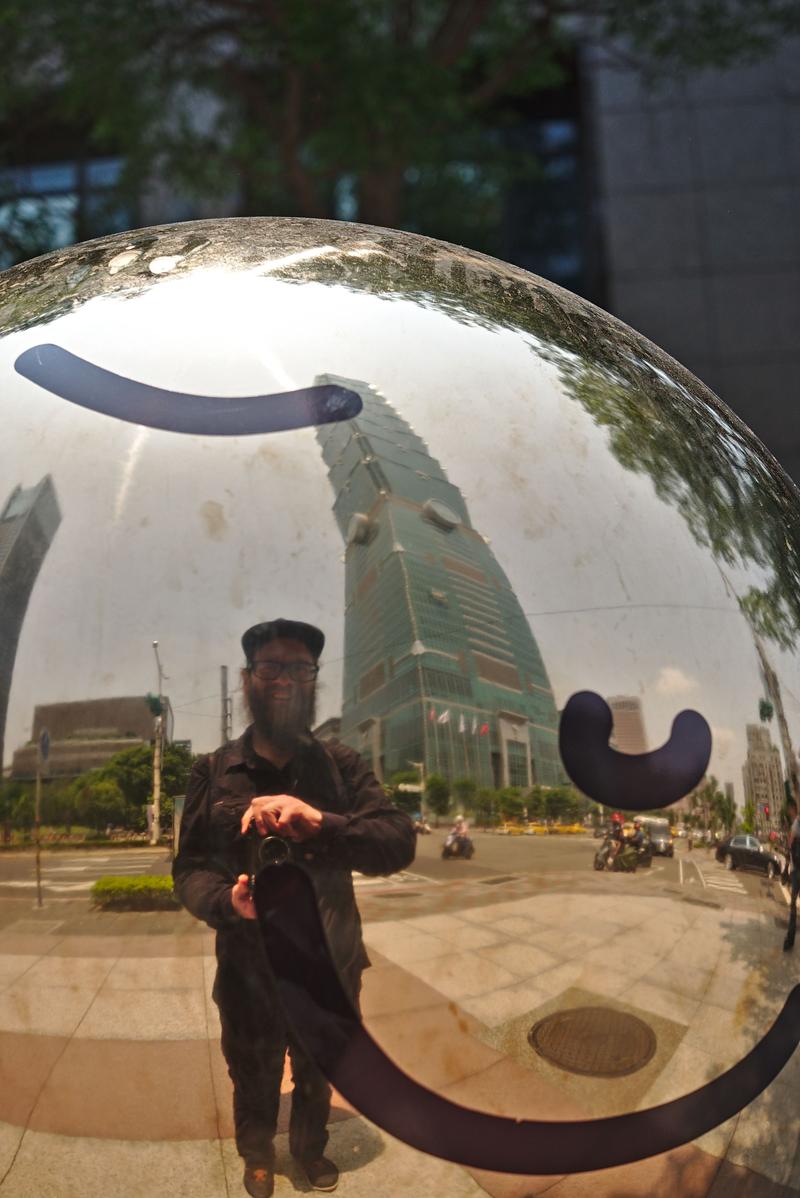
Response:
column 326, row 802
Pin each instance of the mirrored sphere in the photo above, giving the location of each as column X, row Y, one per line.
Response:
column 490, row 496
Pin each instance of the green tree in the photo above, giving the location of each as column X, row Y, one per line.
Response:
column 405, row 112
column 749, row 817
column 464, row 792
column 437, row 794
column 408, row 801
column 99, row 801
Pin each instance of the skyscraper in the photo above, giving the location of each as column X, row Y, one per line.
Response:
column 441, row 665
column 629, row 735
column 28, row 523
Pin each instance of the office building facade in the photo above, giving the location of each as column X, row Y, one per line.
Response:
column 629, row 734
column 762, row 776
column 441, row 666
column 28, row 523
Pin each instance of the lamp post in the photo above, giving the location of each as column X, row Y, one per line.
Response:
column 155, row 826
column 420, row 766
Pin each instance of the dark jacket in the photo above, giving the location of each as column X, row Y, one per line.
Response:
column 361, row 830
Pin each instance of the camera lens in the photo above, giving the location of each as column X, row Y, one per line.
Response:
column 273, row 851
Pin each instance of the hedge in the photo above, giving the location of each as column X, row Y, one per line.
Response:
column 146, row 893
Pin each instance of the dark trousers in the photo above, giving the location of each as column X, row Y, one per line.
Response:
column 255, row 1065
column 794, row 889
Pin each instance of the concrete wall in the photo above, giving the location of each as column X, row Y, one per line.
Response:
column 699, row 202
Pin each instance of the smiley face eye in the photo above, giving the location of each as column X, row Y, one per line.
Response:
column 634, row 782
column 74, row 379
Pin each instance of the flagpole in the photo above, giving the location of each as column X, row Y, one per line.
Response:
column 436, row 738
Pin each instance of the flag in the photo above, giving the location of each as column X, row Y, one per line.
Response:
column 484, row 729
column 462, row 727
column 444, row 718
column 432, row 715
column 474, row 725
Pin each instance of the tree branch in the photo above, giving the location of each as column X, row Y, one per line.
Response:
column 458, row 25
column 537, row 32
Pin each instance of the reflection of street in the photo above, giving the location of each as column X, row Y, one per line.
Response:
column 111, row 1041
column 74, row 873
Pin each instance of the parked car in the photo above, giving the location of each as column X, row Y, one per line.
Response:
column 745, row 852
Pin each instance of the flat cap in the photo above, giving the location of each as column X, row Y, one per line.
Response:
column 280, row 629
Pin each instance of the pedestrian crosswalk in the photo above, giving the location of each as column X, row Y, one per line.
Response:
column 77, row 874
column 718, row 878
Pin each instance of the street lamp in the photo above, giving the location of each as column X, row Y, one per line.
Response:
column 155, row 826
column 420, row 766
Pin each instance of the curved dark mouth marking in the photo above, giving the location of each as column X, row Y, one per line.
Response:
column 74, row 379
column 326, row 1022
column 631, row 782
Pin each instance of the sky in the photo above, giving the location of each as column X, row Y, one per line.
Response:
column 190, row 539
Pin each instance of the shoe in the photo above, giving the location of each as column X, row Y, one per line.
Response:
column 322, row 1174
column 259, row 1181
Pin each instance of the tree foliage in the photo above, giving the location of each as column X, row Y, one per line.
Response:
column 437, row 794
column 391, row 112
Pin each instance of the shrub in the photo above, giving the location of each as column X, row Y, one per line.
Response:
column 146, row 893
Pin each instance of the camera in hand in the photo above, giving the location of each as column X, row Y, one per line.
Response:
column 263, row 850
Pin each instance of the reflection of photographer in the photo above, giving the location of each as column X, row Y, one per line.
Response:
column 278, row 790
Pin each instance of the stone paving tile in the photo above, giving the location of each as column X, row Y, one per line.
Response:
column 14, row 966
column 86, row 972
column 156, row 973
column 662, row 1002
column 25, row 1063
column 53, row 1166
column 734, row 1181
column 129, row 1090
column 524, row 960
column 688, row 1069
column 371, row 1163
column 501, row 1005
column 437, row 1047
column 722, row 1034
column 763, row 1140
column 44, row 1010
column 389, row 989
column 460, row 974
column 403, row 944
column 145, row 1015
column 682, row 1173
column 671, row 975
column 10, row 1139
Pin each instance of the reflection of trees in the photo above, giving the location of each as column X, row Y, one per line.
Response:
column 709, row 469
column 661, row 421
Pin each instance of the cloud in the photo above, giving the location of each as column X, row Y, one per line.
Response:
column 672, row 681
column 722, row 740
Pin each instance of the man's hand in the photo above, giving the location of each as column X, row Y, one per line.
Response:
column 283, row 815
column 242, row 899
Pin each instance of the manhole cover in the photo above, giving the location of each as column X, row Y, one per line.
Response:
column 596, row 1041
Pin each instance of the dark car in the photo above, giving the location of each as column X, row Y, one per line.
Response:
column 745, row 852
column 660, row 834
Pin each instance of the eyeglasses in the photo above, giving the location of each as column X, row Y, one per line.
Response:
column 298, row 671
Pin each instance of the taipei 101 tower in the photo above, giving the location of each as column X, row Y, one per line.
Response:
column 441, row 665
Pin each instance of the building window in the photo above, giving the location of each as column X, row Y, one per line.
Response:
column 49, row 205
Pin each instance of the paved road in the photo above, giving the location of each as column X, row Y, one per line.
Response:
column 71, row 874
column 693, row 872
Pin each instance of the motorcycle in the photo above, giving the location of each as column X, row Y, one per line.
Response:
column 625, row 861
column 457, row 846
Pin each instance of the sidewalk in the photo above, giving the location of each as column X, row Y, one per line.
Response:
column 111, row 1077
